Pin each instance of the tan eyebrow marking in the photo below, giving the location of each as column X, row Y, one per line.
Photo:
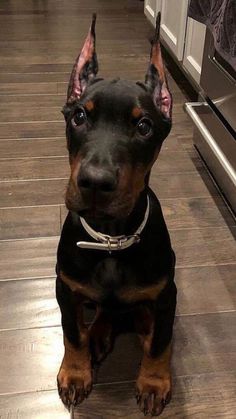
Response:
column 89, row 106
column 137, row 112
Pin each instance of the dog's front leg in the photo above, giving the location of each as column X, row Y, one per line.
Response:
column 101, row 336
column 75, row 376
column 153, row 385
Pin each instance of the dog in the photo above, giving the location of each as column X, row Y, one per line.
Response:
column 115, row 251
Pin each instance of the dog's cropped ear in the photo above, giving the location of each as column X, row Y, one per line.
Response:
column 85, row 67
column 156, row 78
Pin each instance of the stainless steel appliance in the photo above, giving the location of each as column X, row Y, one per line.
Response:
column 215, row 119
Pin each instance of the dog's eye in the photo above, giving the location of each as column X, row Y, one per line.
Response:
column 144, row 127
column 79, row 118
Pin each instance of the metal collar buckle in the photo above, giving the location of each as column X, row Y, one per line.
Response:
column 122, row 242
column 111, row 243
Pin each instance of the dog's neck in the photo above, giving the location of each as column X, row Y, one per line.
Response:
column 125, row 226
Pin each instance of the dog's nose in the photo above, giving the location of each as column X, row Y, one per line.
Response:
column 96, row 179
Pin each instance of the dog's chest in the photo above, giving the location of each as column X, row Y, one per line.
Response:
column 110, row 279
column 121, row 282
column 112, row 274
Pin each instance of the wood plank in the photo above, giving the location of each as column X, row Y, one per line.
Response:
column 35, row 78
column 81, row 18
column 30, row 303
column 34, row 168
column 17, row 223
column 182, row 185
column 26, row 100
column 33, row 129
column 108, row 8
column 29, row 88
column 209, row 289
column 33, row 113
column 38, row 405
column 171, row 162
column 196, row 213
column 192, row 397
column 26, row 68
column 204, row 247
column 172, row 143
column 186, row 141
column 47, row 147
column 32, row 193
column 182, row 125
column 200, row 346
column 31, row 258
column 33, row 355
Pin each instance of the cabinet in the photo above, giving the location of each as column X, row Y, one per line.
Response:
column 173, row 25
column 194, row 45
column 151, row 8
column 183, row 36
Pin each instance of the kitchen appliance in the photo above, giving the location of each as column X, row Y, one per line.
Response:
column 214, row 117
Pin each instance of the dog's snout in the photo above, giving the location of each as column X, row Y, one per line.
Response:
column 92, row 178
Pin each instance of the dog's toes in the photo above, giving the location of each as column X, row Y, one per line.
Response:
column 72, row 395
column 152, row 404
column 73, row 387
column 69, row 395
column 159, row 404
column 152, row 397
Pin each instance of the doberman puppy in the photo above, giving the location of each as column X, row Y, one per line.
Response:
column 115, row 250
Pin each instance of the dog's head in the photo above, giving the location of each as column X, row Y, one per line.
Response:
column 115, row 129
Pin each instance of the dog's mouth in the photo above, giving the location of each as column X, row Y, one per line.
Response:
column 106, row 213
column 93, row 213
column 116, row 207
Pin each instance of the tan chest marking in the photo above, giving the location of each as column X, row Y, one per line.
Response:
column 126, row 295
column 135, row 294
column 79, row 288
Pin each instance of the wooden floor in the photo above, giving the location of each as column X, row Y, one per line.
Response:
column 38, row 43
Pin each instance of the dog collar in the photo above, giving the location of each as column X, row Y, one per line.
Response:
column 110, row 243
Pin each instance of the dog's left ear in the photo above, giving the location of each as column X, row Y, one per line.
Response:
column 156, row 78
column 85, row 67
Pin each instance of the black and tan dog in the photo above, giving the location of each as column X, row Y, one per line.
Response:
column 115, row 250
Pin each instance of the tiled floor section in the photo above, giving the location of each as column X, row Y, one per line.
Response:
column 38, row 43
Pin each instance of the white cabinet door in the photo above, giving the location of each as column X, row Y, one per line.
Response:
column 194, row 45
column 173, row 25
column 151, row 8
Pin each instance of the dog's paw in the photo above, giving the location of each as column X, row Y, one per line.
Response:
column 74, row 385
column 153, row 394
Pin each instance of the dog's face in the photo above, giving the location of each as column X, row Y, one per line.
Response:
column 114, row 134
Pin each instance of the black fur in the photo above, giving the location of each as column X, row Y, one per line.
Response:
column 111, row 158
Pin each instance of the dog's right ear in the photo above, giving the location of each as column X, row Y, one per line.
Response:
column 156, row 80
column 85, row 67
